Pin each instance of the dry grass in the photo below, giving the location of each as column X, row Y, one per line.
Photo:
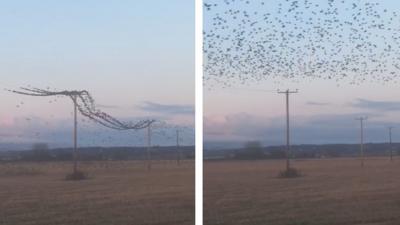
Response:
column 117, row 193
column 10, row 170
column 333, row 192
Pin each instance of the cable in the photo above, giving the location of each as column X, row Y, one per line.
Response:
column 86, row 105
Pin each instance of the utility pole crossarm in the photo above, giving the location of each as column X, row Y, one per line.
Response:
column 288, row 91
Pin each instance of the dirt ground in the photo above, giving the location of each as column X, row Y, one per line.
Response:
column 331, row 192
column 117, row 193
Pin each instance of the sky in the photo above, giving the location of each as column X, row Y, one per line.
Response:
column 323, row 111
column 136, row 58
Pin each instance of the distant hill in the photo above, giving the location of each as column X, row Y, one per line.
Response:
column 307, row 151
column 99, row 153
column 213, row 145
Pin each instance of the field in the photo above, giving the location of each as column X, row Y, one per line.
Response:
column 117, row 193
column 331, row 192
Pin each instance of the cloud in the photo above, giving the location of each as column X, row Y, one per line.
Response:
column 108, row 106
column 327, row 128
column 169, row 109
column 318, row 103
column 239, row 127
column 376, row 105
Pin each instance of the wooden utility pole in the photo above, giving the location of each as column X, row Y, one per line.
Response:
column 75, row 153
column 361, row 119
column 178, row 150
column 390, row 143
column 148, row 147
column 288, row 151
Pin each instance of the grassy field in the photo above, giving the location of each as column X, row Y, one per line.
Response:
column 331, row 192
column 117, row 193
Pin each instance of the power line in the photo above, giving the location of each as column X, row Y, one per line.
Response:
column 85, row 103
column 253, row 90
column 246, row 90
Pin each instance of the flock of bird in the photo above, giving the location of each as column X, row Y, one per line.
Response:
column 87, row 107
column 342, row 40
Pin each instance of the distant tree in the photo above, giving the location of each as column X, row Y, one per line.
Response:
column 252, row 150
column 40, row 146
column 253, row 145
column 277, row 154
column 40, row 152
